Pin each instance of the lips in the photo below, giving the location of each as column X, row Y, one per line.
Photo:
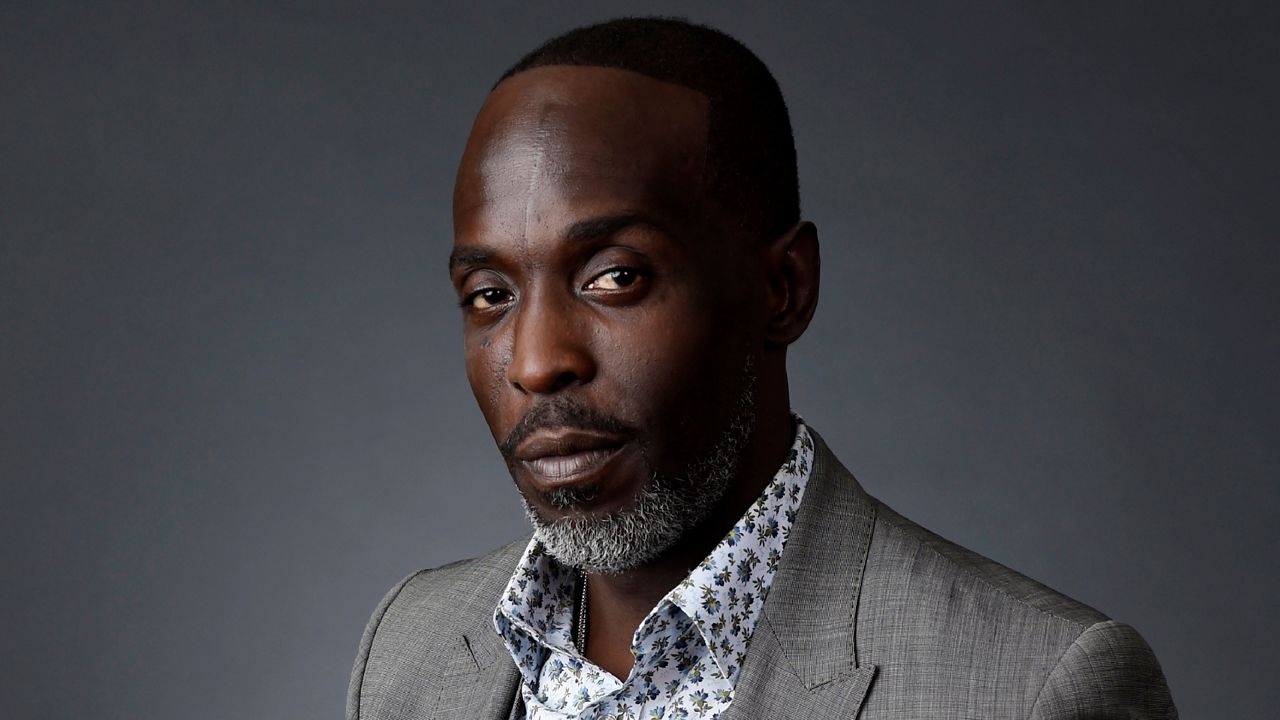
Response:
column 566, row 456
column 564, row 468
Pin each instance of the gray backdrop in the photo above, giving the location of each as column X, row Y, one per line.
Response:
column 233, row 408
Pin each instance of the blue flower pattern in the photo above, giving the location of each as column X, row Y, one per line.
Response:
column 688, row 651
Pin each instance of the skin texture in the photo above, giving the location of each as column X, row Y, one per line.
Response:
column 605, row 305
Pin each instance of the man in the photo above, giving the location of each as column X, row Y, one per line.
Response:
column 632, row 267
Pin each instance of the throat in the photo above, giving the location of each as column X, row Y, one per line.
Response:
column 603, row 630
column 611, row 608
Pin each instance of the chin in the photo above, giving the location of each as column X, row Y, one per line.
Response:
column 568, row 499
column 602, row 542
column 577, row 501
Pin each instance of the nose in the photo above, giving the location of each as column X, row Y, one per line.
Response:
column 551, row 351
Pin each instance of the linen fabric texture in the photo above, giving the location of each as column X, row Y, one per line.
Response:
column 870, row 616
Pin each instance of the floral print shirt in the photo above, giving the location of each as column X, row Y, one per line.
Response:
column 689, row 649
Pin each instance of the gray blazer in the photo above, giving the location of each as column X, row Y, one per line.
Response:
column 870, row 616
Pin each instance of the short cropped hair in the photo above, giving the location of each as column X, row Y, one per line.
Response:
column 751, row 156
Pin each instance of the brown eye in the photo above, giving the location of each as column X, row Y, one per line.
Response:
column 615, row 279
column 487, row 298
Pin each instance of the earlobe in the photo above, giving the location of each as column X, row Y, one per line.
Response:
column 794, row 269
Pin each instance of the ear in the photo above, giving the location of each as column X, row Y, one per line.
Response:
column 792, row 265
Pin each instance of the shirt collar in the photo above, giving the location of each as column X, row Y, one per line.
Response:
column 723, row 595
column 725, row 592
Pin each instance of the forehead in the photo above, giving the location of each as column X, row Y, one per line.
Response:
column 579, row 140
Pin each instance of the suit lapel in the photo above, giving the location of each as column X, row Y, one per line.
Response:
column 803, row 657
column 480, row 682
column 770, row 688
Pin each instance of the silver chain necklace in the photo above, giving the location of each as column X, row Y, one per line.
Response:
column 580, row 630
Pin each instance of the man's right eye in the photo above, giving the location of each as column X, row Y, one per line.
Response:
column 486, row 298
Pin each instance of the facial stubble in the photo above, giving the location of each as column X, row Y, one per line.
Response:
column 662, row 512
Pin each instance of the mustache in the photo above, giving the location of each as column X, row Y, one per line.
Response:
column 562, row 412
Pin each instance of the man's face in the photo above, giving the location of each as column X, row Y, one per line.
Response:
column 605, row 316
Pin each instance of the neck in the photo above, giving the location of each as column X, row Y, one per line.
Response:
column 618, row 602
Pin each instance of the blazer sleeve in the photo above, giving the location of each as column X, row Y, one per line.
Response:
column 366, row 643
column 1108, row 672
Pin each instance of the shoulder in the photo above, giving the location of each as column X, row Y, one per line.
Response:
column 905, row 565
column 952, row 632
column 421, row 616
column 1108, row 671
column 934, row 612
column 448, row 597
column 450, row 593
column 904, row 552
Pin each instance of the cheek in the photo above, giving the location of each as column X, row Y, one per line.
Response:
column 667, row 367
column 486, row 356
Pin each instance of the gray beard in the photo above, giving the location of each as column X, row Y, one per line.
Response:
column 666, row 508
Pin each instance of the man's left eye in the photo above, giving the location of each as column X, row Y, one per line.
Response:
column 615, row 279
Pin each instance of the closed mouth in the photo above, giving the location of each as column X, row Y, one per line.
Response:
column 566, row 455
column 565, row 468
column 562, row 469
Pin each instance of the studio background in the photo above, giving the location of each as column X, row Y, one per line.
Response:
column 233, row 406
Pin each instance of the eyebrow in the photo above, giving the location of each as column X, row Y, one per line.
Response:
column 581, row 231
column 468, row 256
column 600, row 227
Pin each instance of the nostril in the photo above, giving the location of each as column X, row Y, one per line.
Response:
column 533, row 383
column 565, row 379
